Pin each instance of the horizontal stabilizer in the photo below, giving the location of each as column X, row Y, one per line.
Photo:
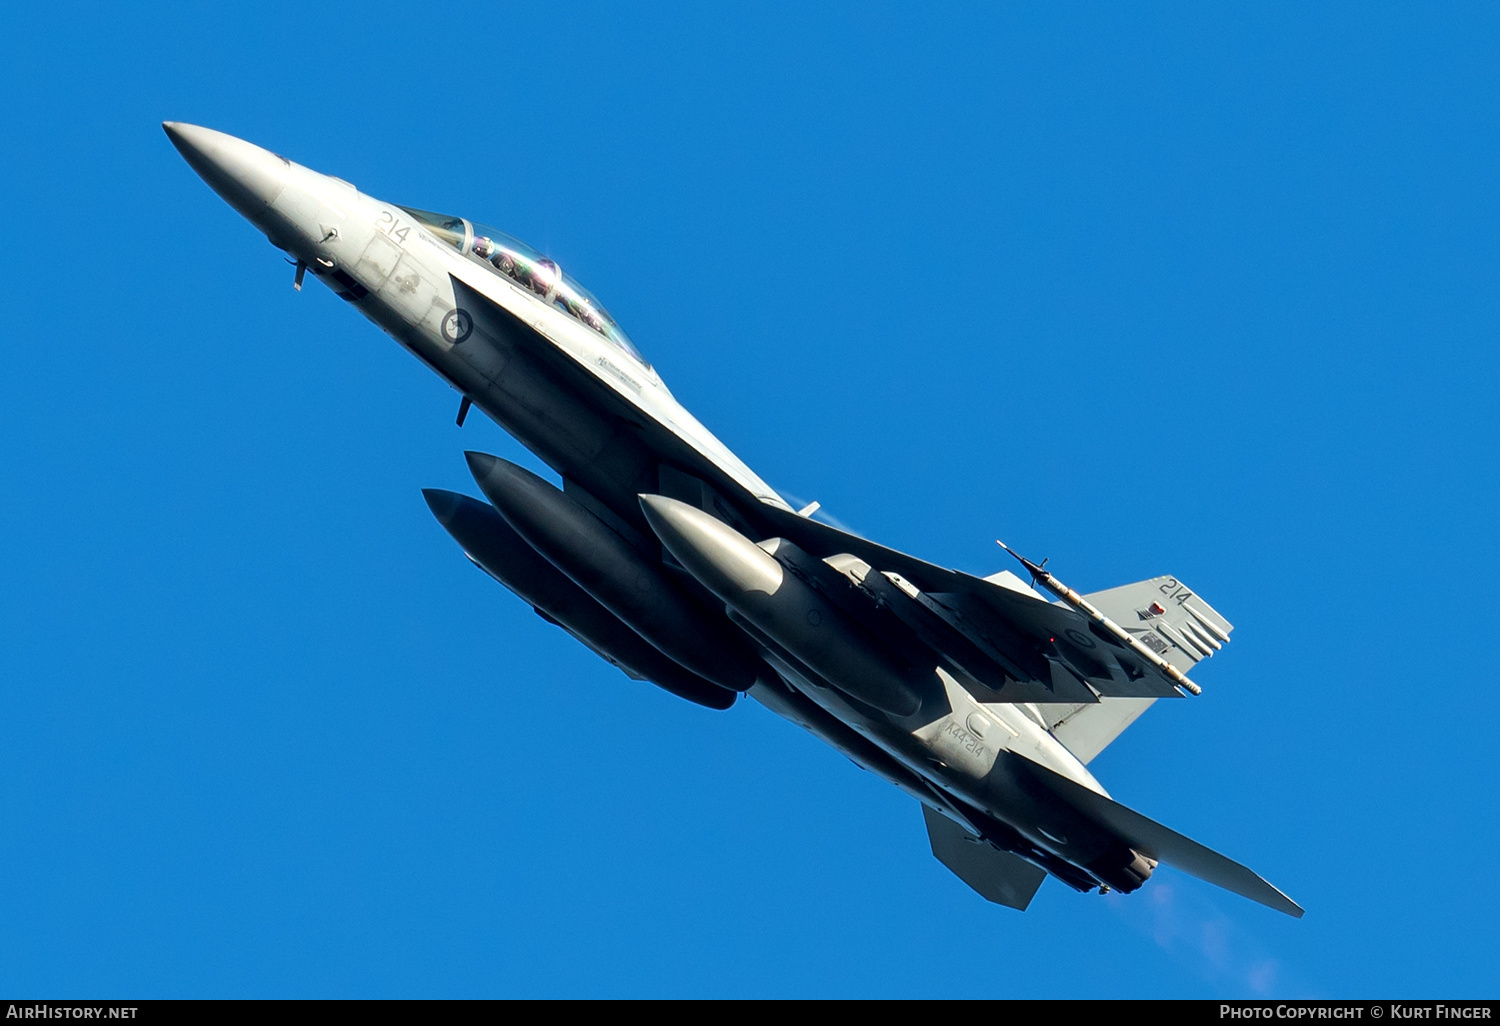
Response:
column 996, row 875
column 1155, row 841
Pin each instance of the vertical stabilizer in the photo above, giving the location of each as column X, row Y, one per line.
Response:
column 1167, row 617
column 1086, row 730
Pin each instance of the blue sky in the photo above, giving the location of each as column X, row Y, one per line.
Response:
column 1173, row 289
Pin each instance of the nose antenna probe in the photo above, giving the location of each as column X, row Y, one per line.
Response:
column 1040, row 575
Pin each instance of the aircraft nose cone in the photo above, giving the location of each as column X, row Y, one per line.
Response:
column 246, row 176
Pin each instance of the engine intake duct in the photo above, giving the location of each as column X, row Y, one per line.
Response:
column 499, row 551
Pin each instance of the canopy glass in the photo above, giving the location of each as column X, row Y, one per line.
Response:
column 540, row 275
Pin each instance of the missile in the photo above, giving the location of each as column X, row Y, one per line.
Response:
column 493, row 546
column 785, row 609
column 1084, row 606
column 618, row 575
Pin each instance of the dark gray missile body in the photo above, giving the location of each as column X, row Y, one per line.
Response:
column 789, row 612
column 619, row 576
column 496, row 548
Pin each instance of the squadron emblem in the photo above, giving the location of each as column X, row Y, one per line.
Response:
column 457, row 326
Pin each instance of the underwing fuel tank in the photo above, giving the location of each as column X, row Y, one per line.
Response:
column 779, row 605
column 495, row 547
column 617, row 575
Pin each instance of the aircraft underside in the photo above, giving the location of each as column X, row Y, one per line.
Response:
column 668, row 557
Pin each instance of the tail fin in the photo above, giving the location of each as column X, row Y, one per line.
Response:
column 1165, row 616
column 1086, row 730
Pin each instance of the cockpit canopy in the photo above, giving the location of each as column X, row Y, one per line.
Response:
column 540, row 275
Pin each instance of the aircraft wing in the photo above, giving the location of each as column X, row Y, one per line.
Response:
column 1046, row 643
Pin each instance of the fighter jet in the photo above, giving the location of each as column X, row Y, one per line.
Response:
column 981, row 697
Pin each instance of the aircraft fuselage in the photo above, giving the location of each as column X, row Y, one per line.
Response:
column 547, row 365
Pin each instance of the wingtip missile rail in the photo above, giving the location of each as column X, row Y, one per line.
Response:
column 1049, row 580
